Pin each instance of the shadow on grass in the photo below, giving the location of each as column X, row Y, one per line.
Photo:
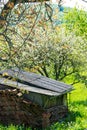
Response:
column 64, row 123
column 71, row 116
column 83, row 102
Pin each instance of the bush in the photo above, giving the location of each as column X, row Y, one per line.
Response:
column 76, row 20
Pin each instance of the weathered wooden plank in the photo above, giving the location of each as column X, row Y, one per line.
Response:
column 57, row 85
column 34, row 81
column 18, row 85
column 21, row 75
column 47, row 87
column 56, row 82
column 48, row 82
column 39, row 81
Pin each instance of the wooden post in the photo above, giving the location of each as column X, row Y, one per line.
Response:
column 45, row 119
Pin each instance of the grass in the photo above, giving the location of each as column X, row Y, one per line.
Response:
column 77, row 116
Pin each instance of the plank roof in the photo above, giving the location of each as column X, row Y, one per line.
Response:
column 33, row 82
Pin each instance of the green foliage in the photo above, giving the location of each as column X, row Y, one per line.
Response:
column 76, row 20
column 58, row 55
column 52, row 53
column 13, row 127
column 24, row 23
column 30, row 42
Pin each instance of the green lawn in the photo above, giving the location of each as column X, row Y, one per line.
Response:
column 77, row 117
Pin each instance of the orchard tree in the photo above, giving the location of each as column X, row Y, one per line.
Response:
column 28, row 40
column 19, row 21
column 57, row 55
column 17, row 28
column 10, row 4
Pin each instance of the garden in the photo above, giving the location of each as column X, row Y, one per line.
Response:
column 41, row 39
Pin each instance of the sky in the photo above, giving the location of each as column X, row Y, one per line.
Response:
column 74, row 3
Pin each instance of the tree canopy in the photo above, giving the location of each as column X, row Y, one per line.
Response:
column 76, row 20
column 29, row 40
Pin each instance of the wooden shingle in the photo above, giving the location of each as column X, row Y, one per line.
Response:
column 34, row 82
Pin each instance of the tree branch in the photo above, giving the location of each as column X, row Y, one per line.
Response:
column 75, row 82
column 67, row 74
column 8, row 8
column 45, row 71
column 60, row 66
column 3, row 60
column 40, row 71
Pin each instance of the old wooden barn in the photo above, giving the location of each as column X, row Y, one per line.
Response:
column 31, row 99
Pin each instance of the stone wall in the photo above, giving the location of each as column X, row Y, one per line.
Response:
column 14, row 109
